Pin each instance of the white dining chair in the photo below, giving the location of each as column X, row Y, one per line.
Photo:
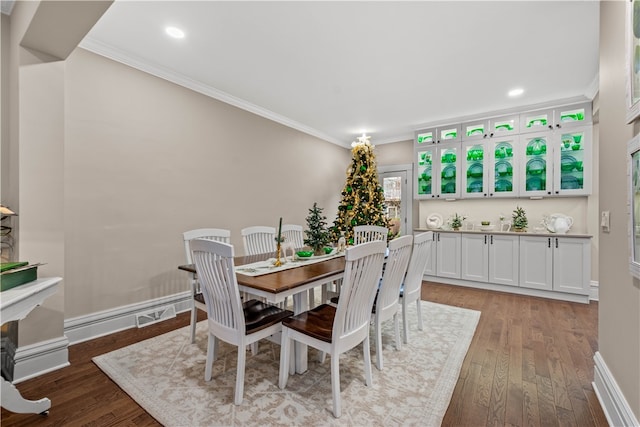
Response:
column 368, row 233
column 335, row 330
column 258, row 240
column 387, row 302
column 217, row 234
column 228, row 318
column 412, row 286
column 293, row 233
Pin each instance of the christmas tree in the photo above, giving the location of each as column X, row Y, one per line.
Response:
column 317, row 234
column 362, row 197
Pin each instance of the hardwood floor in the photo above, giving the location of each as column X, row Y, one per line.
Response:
column 530, row 364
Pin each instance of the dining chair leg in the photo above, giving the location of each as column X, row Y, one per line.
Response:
column 194, row 317
column 242, row 357
column 396, row 324
column 211, row 350
column 367, row 361
column 405, row 324
column 335, row 385
column 285, row 363
column 420, row 327
column 378, row 346
column 254, row 348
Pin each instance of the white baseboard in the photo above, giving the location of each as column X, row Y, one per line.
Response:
column 36, row 359
column 84, row 328
column 613, row 402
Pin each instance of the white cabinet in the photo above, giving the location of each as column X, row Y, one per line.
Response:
column 556, row 118
column 490, row 167
column 557, row 163
column 490, row 258
column 445, row 256
column 495, row 127
column 438, row 171
column 560, row 264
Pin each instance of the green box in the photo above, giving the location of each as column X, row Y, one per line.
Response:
column 17, row 275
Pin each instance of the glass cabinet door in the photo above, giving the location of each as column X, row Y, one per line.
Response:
column 425, row 172
column 537, row 166
column 474, row 161
column 572, row 162
column 503, row 177
column 501, row 127
column 475, row 130
column 536, row 121
column 572, row 116
column 449, row 177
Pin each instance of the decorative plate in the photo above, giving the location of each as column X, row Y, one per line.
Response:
column 568, row 182
column 536, row 166
column 503, row 168
column 475, row 170
column 449, row 188
column 567, row 163
column 475, row 186
column 503, row 185
column 449, row 172
column 534, row 184
column 434, row 221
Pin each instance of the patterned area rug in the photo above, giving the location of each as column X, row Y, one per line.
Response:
column 165, row 375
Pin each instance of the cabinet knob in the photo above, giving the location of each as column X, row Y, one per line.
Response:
column 558, row 126
column 485, row 194
column 557, row 192
column 556, row 243
column 491, row 135
column 551, row 127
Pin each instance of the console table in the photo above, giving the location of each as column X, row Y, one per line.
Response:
column 15, row 304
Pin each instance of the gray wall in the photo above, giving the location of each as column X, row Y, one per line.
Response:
column 619, row 309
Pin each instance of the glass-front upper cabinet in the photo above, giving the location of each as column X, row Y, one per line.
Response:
column 572, row 159
column 537, row 166
column 438, row 135
column 490, row 168
column 568, row 116
column 496, row 127
column 437, row 172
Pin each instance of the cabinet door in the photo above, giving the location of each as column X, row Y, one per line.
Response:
column 475, row 174
column 504, row 168
column 572, row 160
column 475, row 257
column 503, row 259
column 536, row 121
column 449, row 175
column 448, row 258
column 504, row 126
column 571, row 265
column 426, row 172
column 536, row 262
column 475, row 130
column 430, row 269
column 450, row 133
column 571, row 116
column 536, row 164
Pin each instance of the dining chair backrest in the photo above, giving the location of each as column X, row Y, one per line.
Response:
column 293, row 233
column 369, row 233
column 418, row 262
column 395, row 269
column 258, row 239
column 363, row 268
column 217, row 234
column 214, row 266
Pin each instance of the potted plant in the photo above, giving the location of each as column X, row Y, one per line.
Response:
column 519, row 218
column 455, row 222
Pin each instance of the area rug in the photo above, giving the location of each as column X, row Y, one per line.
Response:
column 165, row 375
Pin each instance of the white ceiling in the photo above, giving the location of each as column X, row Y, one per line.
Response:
column 336, row 69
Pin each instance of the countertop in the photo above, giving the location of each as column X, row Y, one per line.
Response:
column 511, row 233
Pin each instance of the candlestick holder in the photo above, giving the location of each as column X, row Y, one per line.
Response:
column 278, row 261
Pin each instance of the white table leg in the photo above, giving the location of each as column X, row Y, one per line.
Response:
column 300, row 304
column 13, row 401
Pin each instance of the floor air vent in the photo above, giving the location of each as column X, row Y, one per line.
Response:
column 155, row 316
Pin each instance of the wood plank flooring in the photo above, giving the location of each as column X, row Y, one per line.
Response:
column 530, row 364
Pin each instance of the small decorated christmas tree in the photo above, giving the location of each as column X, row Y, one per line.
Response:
column 362, row 196
column 317, row 234
column 519, row 219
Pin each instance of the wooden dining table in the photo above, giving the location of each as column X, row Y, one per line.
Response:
column 276, row 286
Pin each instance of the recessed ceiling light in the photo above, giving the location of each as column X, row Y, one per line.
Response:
column 516, row 92
column 174, row 32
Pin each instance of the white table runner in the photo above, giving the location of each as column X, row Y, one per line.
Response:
column 265, row 267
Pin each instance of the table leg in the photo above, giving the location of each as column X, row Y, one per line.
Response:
column 300, row 304
column 13, row 401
